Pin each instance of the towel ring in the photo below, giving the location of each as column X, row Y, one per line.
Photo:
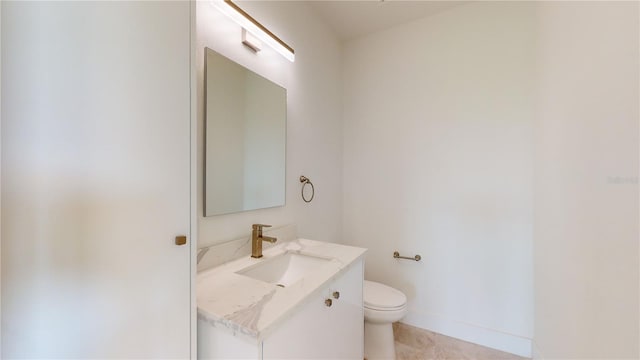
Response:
column 304, row 180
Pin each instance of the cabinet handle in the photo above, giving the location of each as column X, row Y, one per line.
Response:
column 336, row 294
column 181, row 240
column 328, row 302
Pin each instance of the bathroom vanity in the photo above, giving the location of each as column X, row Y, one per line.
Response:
column 302, row 299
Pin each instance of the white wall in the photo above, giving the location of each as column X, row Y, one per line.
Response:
column 438, row 162
column 0, row 180
column 314, row 127
column 586, row 198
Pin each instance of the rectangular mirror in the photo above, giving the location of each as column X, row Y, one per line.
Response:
column 245, row 129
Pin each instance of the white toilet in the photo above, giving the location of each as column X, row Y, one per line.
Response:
column 383, row 305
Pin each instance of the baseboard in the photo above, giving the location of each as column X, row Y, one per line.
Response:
column 536, row 354
column 490, row 338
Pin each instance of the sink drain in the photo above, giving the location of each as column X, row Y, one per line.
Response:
column 280, row 285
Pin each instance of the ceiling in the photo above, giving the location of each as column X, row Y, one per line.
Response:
column 351, row 19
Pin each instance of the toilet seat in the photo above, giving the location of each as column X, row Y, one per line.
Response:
column 381, row 297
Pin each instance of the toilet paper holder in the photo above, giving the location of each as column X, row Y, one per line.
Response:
column 396, row 255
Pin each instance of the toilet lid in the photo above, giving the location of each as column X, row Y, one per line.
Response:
column 382, row 297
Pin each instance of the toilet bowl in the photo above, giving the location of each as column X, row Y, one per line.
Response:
column 383, row 305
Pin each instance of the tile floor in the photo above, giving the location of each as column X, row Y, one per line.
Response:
column 417, row 344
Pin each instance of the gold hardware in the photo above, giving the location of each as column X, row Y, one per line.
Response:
column 328, row 302
column 336, row 294
column 257, row 239
column 259, row 226
column 305, row 180
column 397, row 256
column 181, row 240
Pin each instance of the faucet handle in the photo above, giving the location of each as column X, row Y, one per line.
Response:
column 260, row 226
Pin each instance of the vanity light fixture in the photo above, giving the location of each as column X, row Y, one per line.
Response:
column 254, row 28
column 251, row 41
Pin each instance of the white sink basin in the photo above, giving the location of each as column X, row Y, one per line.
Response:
column 285, row 269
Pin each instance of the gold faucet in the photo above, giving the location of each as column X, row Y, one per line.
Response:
column 257, row 239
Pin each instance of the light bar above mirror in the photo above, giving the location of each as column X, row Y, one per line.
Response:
column 256, row 29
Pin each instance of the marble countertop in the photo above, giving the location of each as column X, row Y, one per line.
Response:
column 252, row 309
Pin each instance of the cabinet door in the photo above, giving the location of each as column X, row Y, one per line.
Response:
column 318, row 331
column 347, row 316
column 95, row 179
column 219, row 343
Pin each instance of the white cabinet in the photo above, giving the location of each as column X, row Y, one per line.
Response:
column 314, row 331
column 328, row 326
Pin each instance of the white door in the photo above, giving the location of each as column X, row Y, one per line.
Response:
column 95, row 179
